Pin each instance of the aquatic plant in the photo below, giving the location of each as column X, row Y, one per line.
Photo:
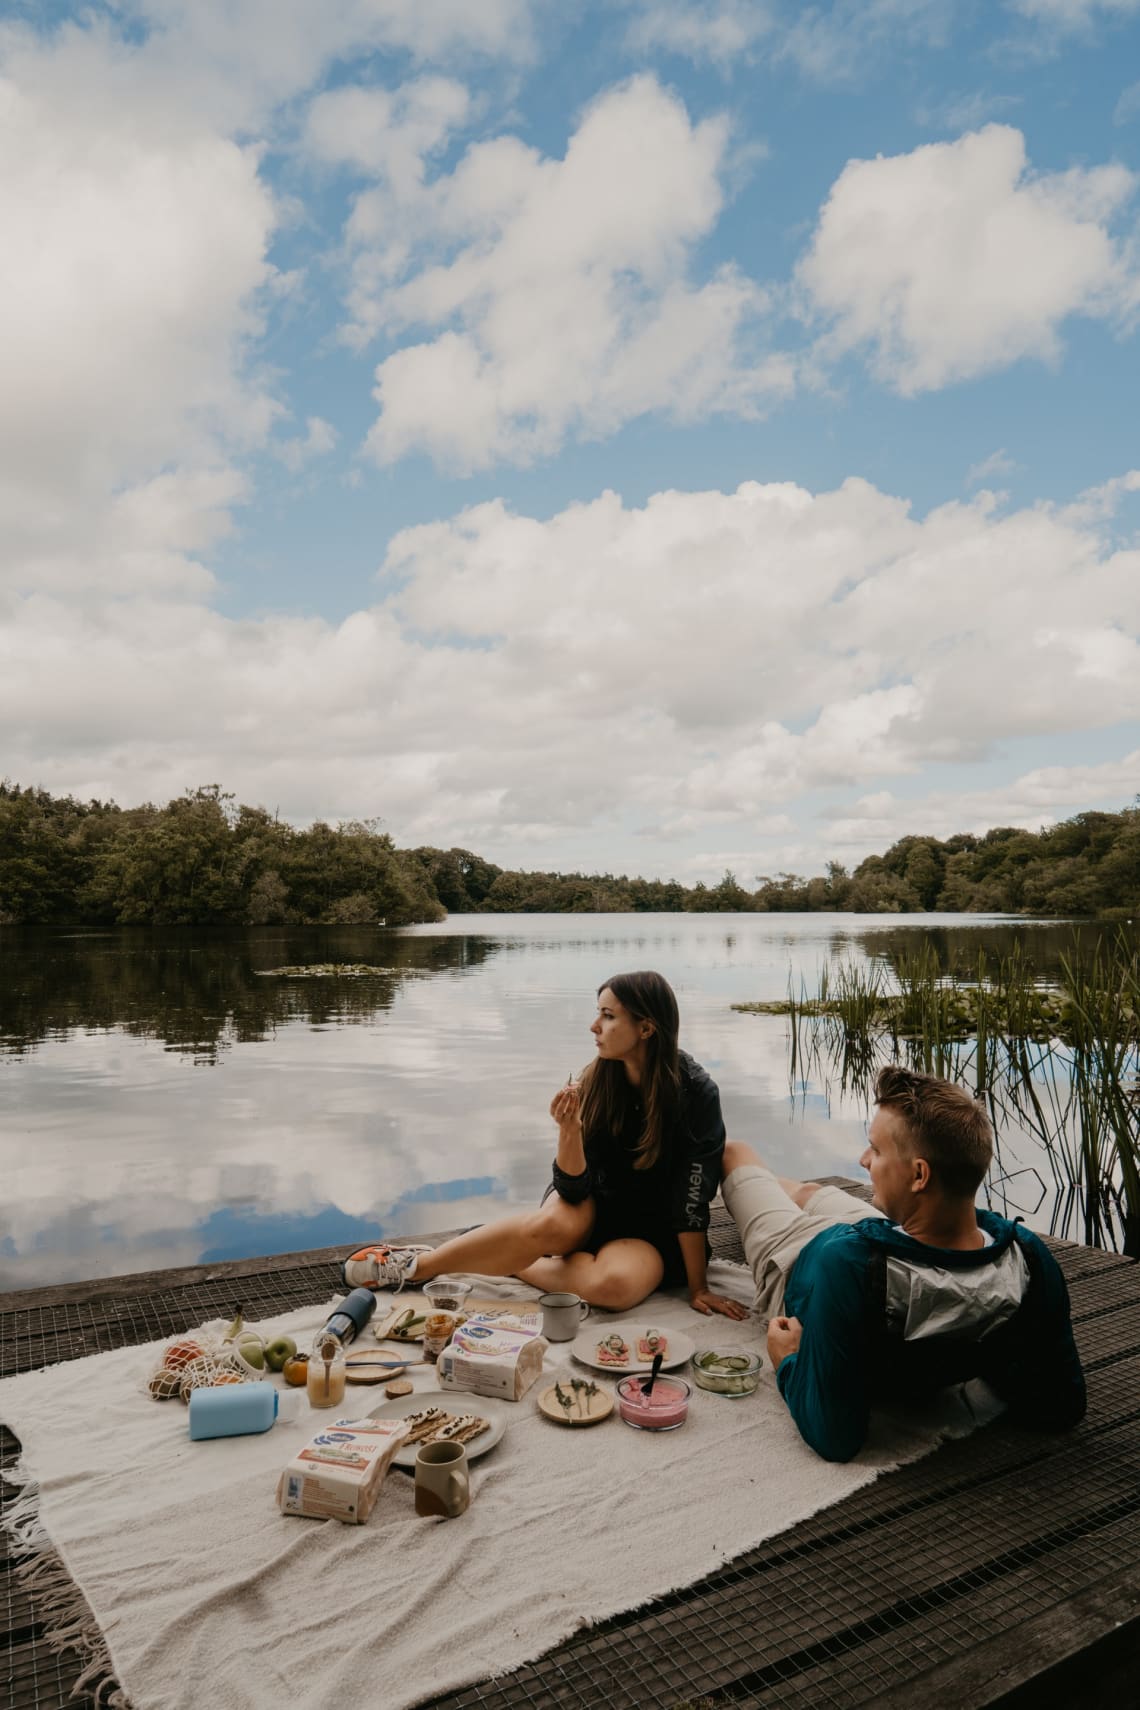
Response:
column 1059, row 1061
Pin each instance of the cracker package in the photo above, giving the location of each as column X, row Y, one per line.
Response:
column 338, row 1475
column 494, row 1353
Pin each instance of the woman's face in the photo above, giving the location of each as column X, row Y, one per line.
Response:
column 618, row 1036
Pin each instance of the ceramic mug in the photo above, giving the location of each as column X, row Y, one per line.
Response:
column 442, row 1483
column 561, row 1316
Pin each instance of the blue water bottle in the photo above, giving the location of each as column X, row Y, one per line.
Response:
column 232, row 1410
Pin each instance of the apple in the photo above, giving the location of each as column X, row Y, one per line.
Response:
column 282, row 1348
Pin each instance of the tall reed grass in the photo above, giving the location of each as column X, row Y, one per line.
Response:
column 1057, row 1060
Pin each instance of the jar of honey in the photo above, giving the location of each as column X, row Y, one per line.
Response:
column 325, row 1379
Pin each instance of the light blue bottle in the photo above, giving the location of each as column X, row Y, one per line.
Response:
column 234, row 1410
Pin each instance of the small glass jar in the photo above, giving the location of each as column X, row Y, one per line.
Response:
column 326, row 1376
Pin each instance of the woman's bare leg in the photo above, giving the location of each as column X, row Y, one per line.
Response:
column 619, row 1276
column 505, row 1248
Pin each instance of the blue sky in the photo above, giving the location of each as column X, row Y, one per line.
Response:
column 658, row 436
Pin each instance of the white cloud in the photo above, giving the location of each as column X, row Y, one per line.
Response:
column 1128, row 106
column 319, row 439
column 955, row 259
column 563, row 305
column 998, row 463
column 829, row 44
column 126, row 322
column 386, row 133
column 1073, row 14
column 709, row 660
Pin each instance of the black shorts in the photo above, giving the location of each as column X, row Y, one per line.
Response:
column 616, row 1222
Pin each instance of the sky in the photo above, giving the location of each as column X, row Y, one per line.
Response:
column 658, row 436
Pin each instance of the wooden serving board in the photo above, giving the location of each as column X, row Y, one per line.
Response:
column 371, row 1365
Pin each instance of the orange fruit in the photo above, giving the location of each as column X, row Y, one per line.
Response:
column 180, row 1354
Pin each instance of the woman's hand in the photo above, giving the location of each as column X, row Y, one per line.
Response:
column 566, row 1107
column 704, row 1300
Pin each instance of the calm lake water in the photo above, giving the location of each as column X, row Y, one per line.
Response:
column 164, row 1101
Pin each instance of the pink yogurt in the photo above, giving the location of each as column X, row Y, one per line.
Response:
column 663, row 1409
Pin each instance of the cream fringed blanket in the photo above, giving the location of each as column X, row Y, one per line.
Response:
column 203, row 1594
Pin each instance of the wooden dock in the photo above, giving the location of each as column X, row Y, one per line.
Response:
column 1002, row 1570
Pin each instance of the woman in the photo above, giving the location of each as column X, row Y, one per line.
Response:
column 640, row 1138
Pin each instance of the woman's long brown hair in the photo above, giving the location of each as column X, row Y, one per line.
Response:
column 606, row 1089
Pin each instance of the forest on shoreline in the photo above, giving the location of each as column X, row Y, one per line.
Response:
column 202, row 859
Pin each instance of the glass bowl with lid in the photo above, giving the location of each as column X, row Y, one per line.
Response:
column 727, row 1371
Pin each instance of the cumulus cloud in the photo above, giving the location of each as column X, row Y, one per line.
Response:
column 997, row 464
column 564, row 303
column 318, row 440
column 956, row 259
column 706, row 660
column 1073, row 14
column 829, row 43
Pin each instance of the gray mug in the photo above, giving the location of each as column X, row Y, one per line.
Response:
column 561, row 1316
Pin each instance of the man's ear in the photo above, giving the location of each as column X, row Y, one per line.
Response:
column 920, row 1177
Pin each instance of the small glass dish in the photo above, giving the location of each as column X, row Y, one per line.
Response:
column 663, row 1409
column 727, row 1371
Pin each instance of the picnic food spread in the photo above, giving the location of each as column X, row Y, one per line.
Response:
column 496, row 1352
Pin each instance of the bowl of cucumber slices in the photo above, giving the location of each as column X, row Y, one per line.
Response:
column 726, row 1371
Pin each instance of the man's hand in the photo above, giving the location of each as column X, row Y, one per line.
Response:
column 784, row 1336
column 704, row 1300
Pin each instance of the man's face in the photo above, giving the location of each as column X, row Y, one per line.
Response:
column 888, row 1162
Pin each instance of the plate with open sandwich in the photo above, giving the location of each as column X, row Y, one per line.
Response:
column 630, row 1346
column 576, row 1401
column 454, row 1415
column 403, row 1322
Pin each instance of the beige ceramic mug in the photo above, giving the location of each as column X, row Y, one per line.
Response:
column 442, row 1482
column 561, row 1316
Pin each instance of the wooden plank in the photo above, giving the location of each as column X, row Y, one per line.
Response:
column 1041, row 1664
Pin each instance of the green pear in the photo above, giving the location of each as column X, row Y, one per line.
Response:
column 252, row 1350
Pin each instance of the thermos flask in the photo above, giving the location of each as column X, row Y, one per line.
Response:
column 232, row 1410
column 350, row 1316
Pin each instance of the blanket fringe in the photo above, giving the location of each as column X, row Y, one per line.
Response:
column 69, row 1624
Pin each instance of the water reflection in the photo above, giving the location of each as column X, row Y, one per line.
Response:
column 163, row 1103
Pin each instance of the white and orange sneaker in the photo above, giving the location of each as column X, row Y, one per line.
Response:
column 381, row 1266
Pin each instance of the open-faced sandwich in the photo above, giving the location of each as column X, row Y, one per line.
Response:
column 651, row 1343
column 613, row 1351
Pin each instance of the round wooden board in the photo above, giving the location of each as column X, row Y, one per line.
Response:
column 367, row 1365
column 601, row 1406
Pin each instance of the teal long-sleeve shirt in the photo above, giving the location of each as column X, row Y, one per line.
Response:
column 848, row 1358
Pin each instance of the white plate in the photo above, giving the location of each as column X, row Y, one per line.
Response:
column 585, row 1344
column 451, row 1401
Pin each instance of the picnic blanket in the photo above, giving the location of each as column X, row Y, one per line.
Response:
column 199, row 1591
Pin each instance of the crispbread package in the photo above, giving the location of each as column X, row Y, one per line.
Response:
column 494, row 1354
column 338, row 1475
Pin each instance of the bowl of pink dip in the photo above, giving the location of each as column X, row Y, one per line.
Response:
column 663, row 1409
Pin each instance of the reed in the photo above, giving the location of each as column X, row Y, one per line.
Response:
column 1059, row 1061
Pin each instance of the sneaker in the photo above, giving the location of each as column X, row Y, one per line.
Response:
column 381, row 1266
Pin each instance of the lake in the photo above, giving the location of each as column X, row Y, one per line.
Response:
column 164, row 1101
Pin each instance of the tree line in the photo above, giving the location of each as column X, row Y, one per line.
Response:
column 203, row 859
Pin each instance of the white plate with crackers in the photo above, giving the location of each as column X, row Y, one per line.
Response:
column 628, row 1335
column 454, row 1404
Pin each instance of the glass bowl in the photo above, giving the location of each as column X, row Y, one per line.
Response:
column 663, row 1409
column 727, row 1371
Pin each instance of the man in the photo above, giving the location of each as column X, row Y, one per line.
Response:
column 918, row 1291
